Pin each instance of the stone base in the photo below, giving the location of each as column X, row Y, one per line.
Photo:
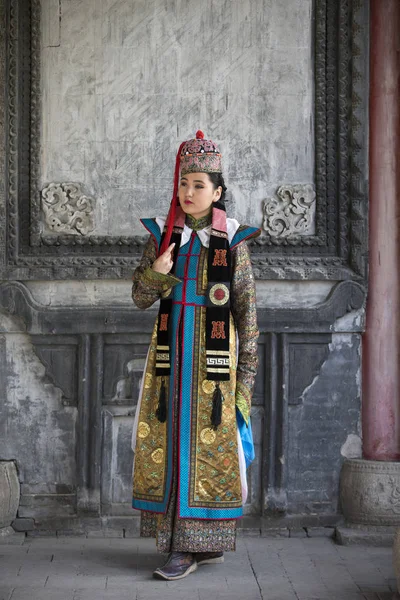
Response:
column 300, row 525
column 113, row 527
column 9, row 492
column 10, row 537
column 370, row 493
column 396, row 557
column 6, row 531
column 23, row 524
column 362, row 535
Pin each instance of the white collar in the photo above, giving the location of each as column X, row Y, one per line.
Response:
column 204, row 234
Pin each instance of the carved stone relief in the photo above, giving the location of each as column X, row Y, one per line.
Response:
column 291, row 212
column 67, row 209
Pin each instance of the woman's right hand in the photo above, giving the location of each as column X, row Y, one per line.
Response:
column 163, row 264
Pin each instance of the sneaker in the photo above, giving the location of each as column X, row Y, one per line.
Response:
column 178, row 566
column 209, row 558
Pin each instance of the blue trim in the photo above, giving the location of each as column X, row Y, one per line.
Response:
column 186, row 511
column 244, row 234
column 210, row 513
column 185, row 406
column 146, row 505
column 153, row 229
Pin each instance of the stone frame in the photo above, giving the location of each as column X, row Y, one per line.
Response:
column 338, row 251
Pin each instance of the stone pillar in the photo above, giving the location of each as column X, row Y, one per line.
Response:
column 381, row 344
column 370, row 488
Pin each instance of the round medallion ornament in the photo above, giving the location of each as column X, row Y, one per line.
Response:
column 208, row 386
column 158, row 455
column 208, row 435
column 143, row 430
column 219, row 294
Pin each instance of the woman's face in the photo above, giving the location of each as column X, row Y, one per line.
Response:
column 196, row 194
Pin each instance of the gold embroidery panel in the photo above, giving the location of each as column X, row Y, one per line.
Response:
column 202, row 277
column 214, row 454
column 151, row 445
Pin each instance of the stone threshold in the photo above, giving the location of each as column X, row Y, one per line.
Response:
column 129, row 526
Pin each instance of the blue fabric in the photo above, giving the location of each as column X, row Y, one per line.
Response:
column 246, row 435
column 244, row 234
column 153, row 229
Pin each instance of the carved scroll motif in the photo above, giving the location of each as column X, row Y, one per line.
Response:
column 291, row 212
column 67, row 209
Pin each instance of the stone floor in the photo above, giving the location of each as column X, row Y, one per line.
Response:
column 261, row 569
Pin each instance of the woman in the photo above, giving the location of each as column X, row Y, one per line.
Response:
column 192, row 433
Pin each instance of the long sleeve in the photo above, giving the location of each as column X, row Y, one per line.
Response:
column 148, row 285
column 243, row 307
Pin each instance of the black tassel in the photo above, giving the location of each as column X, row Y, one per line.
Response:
column 161, row 412
column 216, row 414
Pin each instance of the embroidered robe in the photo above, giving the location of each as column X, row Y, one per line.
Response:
column 209, row 485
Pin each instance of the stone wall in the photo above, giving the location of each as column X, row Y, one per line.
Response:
column 70, row 387
column 125, row 82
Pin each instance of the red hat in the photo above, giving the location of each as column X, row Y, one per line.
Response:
column 194, row 156
column 200, row 156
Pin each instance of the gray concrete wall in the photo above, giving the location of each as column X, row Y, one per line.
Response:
column 124, row 82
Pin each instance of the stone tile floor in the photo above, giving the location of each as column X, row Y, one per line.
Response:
column 262, row 569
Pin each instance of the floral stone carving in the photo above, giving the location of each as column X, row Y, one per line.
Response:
column 67, row 209
column 291, row 212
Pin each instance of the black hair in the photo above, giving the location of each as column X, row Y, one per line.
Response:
column 218, row 180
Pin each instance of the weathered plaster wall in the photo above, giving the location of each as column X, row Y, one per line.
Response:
column 124, row 82
column 36, row 429
column 329, row 410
